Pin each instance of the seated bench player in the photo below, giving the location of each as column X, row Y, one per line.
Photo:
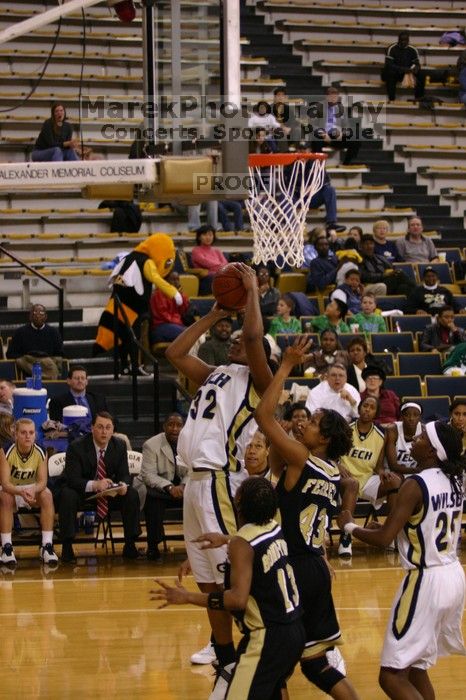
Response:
column 23, row 476
column 365, row 462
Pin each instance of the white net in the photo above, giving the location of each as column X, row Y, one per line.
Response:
column 279, row 199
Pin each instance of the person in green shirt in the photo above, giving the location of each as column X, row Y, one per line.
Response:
column 332, row 318
column 284, row 321
column 367, row 319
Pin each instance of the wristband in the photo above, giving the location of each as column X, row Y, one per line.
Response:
column 349, row 527
column 215, row 601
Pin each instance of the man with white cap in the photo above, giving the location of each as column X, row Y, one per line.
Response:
column 425, row 620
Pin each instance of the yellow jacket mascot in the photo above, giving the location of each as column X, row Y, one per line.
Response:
column 132, row 279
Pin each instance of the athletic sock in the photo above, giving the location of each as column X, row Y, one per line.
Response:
column 225, row 653
column 47, row 537
column 6, row 538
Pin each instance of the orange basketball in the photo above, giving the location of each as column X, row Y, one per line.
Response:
column 228, row 288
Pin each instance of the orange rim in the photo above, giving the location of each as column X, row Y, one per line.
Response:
column 261, row 160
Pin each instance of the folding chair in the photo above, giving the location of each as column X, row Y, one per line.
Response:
column 446, row 386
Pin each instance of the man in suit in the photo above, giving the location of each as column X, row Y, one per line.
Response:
column 77, row 394
column 332, row 126
column 161, row 481
column 93, row 463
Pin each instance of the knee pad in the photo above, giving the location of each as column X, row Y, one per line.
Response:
column 320, row 673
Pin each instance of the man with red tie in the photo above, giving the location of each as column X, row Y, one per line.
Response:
column 93, row 464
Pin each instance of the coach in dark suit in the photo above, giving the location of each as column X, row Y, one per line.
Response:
column 77, row 394
column 81, row 480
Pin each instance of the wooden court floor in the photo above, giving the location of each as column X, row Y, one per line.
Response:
column 90, row 631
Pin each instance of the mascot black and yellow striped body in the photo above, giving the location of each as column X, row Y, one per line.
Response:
column 132, row 279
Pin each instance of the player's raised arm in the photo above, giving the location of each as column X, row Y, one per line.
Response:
column 292, row 452
column 253, row 332
column 178, row 351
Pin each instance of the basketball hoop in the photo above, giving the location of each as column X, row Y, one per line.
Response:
column 281, row 186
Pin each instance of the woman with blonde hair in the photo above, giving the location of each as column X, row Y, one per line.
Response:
column 384, row 247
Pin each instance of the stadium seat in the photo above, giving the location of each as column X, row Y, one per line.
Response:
column 345, row 338
column 403, row 386
column 452, row 254
column 392, row 342
column 410, row 322
column 445, row 386
column 291, row 282
column 202, row 304
column 189, row 285
column 387, row 360
column 443, row 271
column 409, row 269
column 433, row 407
column 286, row 339
column 397, row 301
column 421, row 363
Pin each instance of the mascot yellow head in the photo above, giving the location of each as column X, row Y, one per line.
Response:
column 160, row 248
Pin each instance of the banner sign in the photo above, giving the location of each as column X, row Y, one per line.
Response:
column 75, row 174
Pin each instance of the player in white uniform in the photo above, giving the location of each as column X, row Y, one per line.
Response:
column 425, row 620
column 212, row 443
column 399, row 437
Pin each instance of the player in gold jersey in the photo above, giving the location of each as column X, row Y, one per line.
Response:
column 23, row 476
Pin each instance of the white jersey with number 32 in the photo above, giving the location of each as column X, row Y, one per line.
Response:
column 220, row 421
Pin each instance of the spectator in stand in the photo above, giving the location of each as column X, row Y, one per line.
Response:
column 226, row 206
column 348, row 259
column 359, row 359
column 280, row 107
column 353, row 289
column 323, row 269
column 326, row 195
column 284, row 321
column 37, row 342
column 23, row 477
column 402, row 59
column 455, row 364
column 55, row 141
column 261, row 143
column 387, row 249
column 161, row 481
column 334, row 128
column 389, row 402
column 356, row 233
column 262, row 118
column 378, row 275
column 205, row 255
column 6, row 396
column 367, row 319
column 430, row 296
column 443, row 335
column 330, row 352
column 78, row 394
column 458, row 418
column 268, row 295
column 309, row 250
column 166, row 315
column 332, row 318
column 414, row 247
column 214, row 351
column 335, row 393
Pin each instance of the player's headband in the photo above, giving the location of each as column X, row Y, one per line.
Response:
column 410, row 404
column 431, row 431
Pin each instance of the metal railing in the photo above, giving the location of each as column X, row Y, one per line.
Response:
column 56, row 286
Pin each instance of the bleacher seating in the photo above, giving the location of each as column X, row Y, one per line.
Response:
column 404, row 386
column 433, row 407
column 421, row 363
column 392, row 342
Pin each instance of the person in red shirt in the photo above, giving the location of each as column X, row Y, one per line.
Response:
column 166, row 315
column 207, row 256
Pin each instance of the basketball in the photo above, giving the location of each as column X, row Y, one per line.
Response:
column 228, row 288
